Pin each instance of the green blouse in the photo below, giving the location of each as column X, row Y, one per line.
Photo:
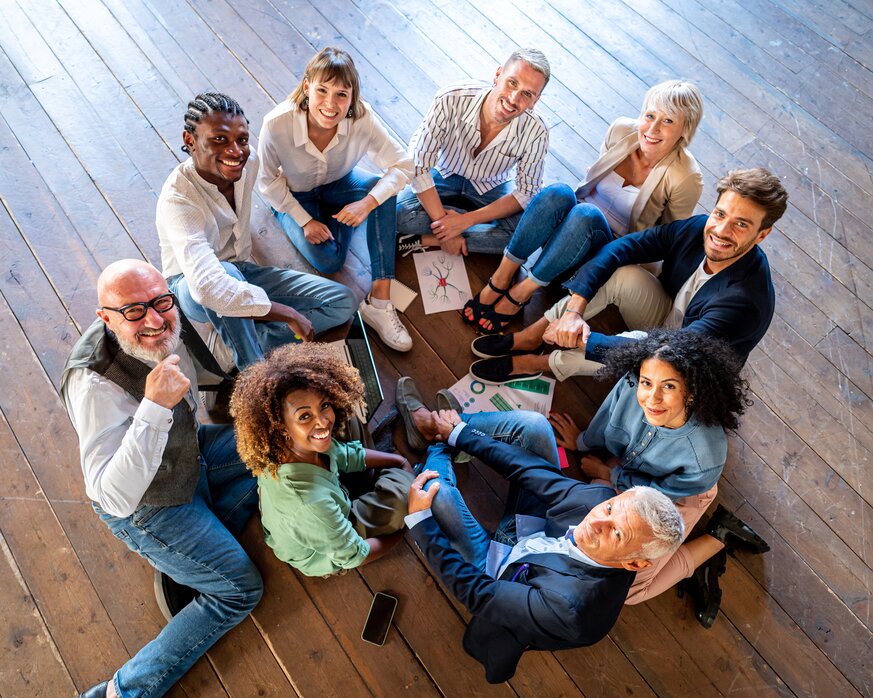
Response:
column 305, row 513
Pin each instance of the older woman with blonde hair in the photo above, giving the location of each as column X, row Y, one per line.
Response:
column 645, row 176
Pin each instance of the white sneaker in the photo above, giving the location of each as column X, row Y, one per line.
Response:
column 387, row 325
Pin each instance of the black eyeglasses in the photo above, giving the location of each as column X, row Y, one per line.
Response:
column 137, row 311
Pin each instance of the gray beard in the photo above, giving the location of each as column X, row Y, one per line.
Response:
column 167, row 347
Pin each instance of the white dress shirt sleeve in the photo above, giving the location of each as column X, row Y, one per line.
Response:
column 272, row 183
column 388, row 155
column 183, row 223
column 121, row 443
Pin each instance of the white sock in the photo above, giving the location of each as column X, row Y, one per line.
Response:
column 379, row 303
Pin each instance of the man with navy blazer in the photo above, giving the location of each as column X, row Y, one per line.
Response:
column 715, row 279
column 558, row 570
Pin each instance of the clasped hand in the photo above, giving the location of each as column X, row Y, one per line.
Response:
column 569, row 331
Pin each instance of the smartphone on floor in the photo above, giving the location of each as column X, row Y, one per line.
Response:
column 379, row 618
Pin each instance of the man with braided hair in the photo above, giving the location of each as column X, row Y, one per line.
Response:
column 204, row 228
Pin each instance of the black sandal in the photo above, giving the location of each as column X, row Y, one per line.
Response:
column 499, row 321
column 478, row 308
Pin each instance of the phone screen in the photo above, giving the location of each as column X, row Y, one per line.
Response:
column 379, row 618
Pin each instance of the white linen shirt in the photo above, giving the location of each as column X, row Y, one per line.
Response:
column 198, row 230
column 449, row 134
column 290, row 161
column 121, row 441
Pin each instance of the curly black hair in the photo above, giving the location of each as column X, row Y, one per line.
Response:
column 710, row 367
column 259, row 394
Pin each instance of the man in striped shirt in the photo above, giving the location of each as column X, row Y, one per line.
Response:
column 472, row 141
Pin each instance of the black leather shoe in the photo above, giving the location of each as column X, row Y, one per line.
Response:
column 408, row 400
column 733, row 532
column 491, row 346
column 98, row 691
column 498, row 371
column 703, row 588
column 171, row 596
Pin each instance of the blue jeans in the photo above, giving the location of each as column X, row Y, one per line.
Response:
column 568, row 232
column 194, row 544
column 528, row 430
column 325, row 304
column 323, row 202
column 458, row 194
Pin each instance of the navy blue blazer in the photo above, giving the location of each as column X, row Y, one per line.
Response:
column 560, row 602
column 735, row 305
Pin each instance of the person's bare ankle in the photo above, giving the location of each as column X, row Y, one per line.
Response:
column 423, row 420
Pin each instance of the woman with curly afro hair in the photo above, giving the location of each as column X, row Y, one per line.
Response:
column 285, row 410
column 663, row 425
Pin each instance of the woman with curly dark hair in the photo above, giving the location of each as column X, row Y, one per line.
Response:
column 285, row 409
column 663, row 425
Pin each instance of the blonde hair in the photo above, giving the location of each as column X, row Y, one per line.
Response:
column 676, row 97
column 331, row 64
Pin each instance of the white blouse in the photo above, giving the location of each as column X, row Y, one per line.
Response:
column 290, row 161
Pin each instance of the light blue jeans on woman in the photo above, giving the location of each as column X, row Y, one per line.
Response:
column 323, row 202
column 528, row 430
column 568, row 232
column 195, row 545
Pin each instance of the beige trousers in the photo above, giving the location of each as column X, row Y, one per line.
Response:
column 641, row 300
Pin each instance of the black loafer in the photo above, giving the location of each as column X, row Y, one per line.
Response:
column 704, row 590
column 408, row 400
column 731, row 531
column 491, row 346
column 497, row 371
column 171, row 596
column 98, row 691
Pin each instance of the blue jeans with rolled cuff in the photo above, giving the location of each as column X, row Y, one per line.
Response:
column 568, row 232
column 195, row 545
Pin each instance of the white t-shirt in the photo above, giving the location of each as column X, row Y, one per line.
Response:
column 674, row 318
column 615, row 200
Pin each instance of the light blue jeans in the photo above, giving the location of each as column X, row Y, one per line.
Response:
column 458, row 194
column 322, row 203
column 323, row 302
column 194, row 544
column 528, row 430
column 568, row 232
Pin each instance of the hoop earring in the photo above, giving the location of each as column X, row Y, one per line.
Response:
column 304, row 104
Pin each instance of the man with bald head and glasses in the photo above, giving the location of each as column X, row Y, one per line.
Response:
column 173, row 490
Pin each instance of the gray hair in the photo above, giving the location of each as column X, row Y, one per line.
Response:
column 676, row 97
column 661, row 515
column 535, row 58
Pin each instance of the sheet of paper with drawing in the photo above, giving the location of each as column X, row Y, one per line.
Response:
column 533, row 394
column 443, row 281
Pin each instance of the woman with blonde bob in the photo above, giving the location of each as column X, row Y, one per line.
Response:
column 645, row 176
column 310, row 146
column 285, row 411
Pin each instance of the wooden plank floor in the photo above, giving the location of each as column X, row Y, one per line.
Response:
column 92, row 94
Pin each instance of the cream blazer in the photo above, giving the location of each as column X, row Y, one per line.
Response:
column 669, row 193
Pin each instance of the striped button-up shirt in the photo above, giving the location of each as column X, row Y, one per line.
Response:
column 449, row 135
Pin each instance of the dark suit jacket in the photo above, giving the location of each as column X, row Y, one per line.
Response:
column 735, row 305
column 560, row 602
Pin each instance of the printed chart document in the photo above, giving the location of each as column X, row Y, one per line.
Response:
column 534, row 394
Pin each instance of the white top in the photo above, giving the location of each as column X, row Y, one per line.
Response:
column 450, row 133
column 198, row 230
column 121, row 441
column 290, row 161
column 615, row 200
column 674, row 318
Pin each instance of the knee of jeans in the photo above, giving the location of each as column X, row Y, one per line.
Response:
column 249, row 587
column 231, row 269
column 557, row 194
